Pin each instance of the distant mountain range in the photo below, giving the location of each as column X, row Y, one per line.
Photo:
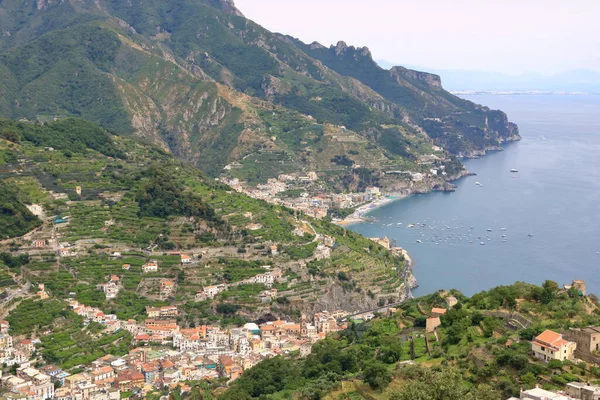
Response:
column 581, row 80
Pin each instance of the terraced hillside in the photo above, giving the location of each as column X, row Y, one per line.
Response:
column 109, row 205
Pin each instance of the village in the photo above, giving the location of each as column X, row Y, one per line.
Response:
column 296, row 190
column 164, row 354
column 317, row 206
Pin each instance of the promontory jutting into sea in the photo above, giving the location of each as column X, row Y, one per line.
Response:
column 501, row 226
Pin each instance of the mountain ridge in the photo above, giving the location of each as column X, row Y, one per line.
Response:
column 199, row 79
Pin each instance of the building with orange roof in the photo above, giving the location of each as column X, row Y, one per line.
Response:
column 142, row 338
column 151, row 266
column 438, row 311
column 150, row 371
column 550, row 345
column 129, row 379
column 292, row 329
column 267, row 330
column 166, row 287
column 126, row 267
column 225, row 365
column 153, row 323
column 209, row 292
column 186, row 259
column 433, row 321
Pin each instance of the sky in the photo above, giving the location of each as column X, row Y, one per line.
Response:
column 508, row 36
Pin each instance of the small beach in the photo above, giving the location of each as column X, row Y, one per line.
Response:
column 358, row 216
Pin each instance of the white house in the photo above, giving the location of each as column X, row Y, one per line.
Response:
column 151, row 266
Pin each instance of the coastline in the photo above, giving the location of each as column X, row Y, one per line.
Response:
column 358, row 216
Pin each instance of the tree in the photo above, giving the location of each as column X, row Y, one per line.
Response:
column 227, row 308
column 528, row 380
column 447, row 384
column 549, row 291
column 555, row 364
column 376, row 374
column 196, row 393
column 420, row 321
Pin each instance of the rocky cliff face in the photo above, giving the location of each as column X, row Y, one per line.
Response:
column 432, row 80
column 228, row 6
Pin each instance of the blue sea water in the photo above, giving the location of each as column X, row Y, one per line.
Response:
column 555, row 197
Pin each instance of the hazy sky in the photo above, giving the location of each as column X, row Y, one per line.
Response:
column 511, row 36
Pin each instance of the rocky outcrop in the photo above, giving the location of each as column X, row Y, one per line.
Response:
column 340, row 48
column 228, row 6
column 317, row 45
column 273, row 86
column 430, row 79
column 338, row 299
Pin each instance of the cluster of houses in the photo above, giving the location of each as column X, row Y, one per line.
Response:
column 268, row 278
column 112, row 287
column 28, row 383
column 316, row 206
column 200, row 353
column 203, row 352
column 14, row 351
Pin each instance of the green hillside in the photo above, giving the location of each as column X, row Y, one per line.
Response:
column 104, row 194
column 479, row 351
column 198, row 79
column 15, row 218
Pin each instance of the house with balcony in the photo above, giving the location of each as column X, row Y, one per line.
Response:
column 550, row 345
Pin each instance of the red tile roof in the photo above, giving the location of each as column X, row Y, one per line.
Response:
column 550, row 339
column 226, row 360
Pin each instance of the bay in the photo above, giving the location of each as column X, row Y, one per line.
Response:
column 555, row 197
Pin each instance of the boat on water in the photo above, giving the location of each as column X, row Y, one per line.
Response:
column 418, row 241
column 530, row 234
column 489, row 230
column 514, row 170
column 482, row 243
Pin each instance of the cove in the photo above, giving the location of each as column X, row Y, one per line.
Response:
column 542, row 222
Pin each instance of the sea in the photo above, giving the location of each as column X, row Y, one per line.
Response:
column 499, row 227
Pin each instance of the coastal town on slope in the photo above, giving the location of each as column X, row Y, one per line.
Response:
column 321, row 205
column 164, row 355
column 303, row 191
column 163, row 352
